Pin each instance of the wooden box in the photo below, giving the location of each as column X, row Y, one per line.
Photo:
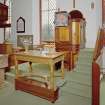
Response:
column 35, row 88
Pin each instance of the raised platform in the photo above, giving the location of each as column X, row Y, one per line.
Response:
column 36, row 88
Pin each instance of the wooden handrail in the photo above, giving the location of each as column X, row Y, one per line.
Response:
column 95, row 84
column 96, row 68
column 99, row 44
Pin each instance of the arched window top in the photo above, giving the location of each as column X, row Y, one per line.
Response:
column 20, row 19
column 20, row 25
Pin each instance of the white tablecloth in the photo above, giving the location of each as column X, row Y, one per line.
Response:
column 3, row 60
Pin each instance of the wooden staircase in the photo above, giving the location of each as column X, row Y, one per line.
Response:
column 79, row 81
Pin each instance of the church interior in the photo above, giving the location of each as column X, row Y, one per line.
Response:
column 52, row 52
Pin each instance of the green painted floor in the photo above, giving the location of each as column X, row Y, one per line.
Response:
column 9, row 96
column 76, row 90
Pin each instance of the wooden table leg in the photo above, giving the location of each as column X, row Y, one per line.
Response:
column 16, row 68
column 30, row 67
column 52, row 85
column 62, row 68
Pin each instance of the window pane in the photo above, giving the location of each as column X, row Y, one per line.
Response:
column 47, row 33
column 7, row 34
column 48, row 10
column 44, row 4
column 52, row 4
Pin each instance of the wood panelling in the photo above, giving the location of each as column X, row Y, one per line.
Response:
column 62, row 34
column 63, row 43
column 5, row 48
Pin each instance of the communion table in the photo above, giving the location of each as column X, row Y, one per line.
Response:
column 49, row 92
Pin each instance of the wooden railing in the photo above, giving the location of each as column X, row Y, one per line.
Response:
column 96, row 68
column 99, row 44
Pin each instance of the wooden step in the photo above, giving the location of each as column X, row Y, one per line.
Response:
column 79, row 78
column 71, row 99
column 83, row 71
column 78, row 89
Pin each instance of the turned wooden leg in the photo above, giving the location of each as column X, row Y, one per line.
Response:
column 52, row 85
column 7, row 69
column 30, row 67
column 62, row 68
column 16, row 68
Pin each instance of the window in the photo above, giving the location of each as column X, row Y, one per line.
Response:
column 48, row 8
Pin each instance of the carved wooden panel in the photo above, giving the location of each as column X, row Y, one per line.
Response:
column 3, row 12
column 62, row 34
column 66, row 46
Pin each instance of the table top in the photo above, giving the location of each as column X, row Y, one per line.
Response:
column 42, row 54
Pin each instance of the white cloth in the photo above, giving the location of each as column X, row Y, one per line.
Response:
column 3, row 61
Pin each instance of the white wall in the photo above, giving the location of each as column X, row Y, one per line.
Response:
column 92, row 16
column 23, row 9
column 30, row 12
column 99, row 13
column 64, row 5
column 1, row 1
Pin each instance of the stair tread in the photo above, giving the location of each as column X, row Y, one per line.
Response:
column 69, row 98
column 85, row 59
column 77, row 86
column 90, row 50
column 83, row 67
column 84, row 64
column 79, row 78
column 85, row 55
column 78, row 89
column 84, row 72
